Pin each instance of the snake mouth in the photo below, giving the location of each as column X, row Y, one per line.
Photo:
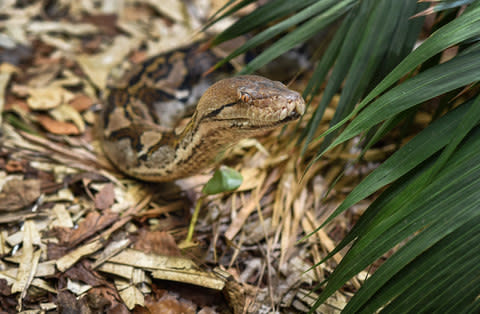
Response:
column 248, row 124
column 294, row 115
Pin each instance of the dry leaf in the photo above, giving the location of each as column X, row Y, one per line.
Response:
column 158, row 242
column 77, row 29
column 113, row 248
column 93, row 223
column 17, row 194
column 28, row 260
column 6, row 71
column 77, row 287
column 107, row 23
column 81, row 102
column 169, row 304
column 67, row 261
column 15, row 166
column 175, row 268
column 105, row 197
column 66, row 113
column 171, row 8
column 68, row 303
column 44, row 98
column 99, row 66
column 132, row 296
column 63, row 218
column 13, row 103
column 44, row 74
column 57, row 127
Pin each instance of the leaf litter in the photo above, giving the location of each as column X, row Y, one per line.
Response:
column 75, row 234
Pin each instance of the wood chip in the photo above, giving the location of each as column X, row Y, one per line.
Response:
column 68, row 260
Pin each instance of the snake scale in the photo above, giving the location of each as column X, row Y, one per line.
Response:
column 139, row 122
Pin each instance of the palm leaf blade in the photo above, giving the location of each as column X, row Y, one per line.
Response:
column 450, row 198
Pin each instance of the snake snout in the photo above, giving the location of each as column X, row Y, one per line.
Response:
column 296, row 100
column 292, row 107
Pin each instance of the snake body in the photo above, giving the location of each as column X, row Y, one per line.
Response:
column 141, row 112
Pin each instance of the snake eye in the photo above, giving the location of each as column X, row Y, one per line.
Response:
column 246, row 98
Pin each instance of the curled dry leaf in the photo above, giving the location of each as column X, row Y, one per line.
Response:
column 17, row 194
column 57, row 127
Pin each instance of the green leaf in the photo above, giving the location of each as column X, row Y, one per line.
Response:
column 464, row 27
column 261, row 16
column 420, row 148
column 441, row 206
column 380, row 29
column 421, row 278
column 375, row 41
column 348, row 41
column 299, row 35
column 318, row 77
column 445, row 5
column 276, row 29
column 20, row 124
column 215, row 18
column 224, row 179
column 449, row 129
column 460, row 71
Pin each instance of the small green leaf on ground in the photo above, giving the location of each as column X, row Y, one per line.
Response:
column 224, row 179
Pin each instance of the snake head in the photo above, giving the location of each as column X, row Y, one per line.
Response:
column 250, row 102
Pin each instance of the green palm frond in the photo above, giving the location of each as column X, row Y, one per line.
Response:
column 442, row 5
column 430, row 209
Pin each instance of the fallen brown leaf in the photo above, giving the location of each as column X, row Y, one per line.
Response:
column 17, row 194
column 57, row 127
column 107, row 23
column 102, row 300
column 105, row 197
column 15, row 166
column 68, row 303
column 93, row 223
column 158, row 242
column 170, row 304
column 12, row 102
column 81, row 271
column 81, row 102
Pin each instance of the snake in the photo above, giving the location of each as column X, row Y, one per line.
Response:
column 141, row 122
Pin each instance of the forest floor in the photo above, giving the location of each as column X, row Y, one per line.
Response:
column 75, row 234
